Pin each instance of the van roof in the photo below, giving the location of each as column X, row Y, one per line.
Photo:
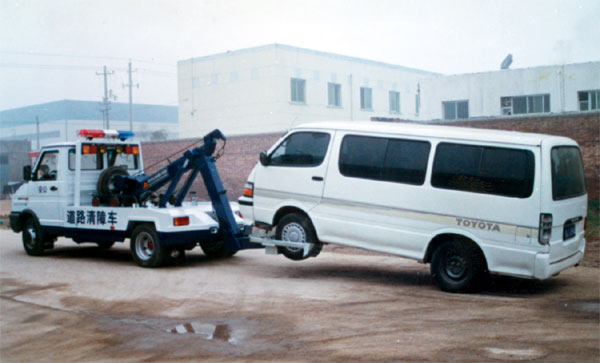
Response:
column 437, row 131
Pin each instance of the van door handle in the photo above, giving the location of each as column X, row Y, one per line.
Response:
column 53, row 188
column 317, row 178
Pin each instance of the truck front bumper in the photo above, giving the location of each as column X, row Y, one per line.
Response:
column 15, row 222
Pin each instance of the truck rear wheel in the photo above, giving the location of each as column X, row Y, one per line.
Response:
column 295, row 227
column 145, row 247
column 33, row 238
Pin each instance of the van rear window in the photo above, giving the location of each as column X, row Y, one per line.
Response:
column 568, row 178
column 482, row 169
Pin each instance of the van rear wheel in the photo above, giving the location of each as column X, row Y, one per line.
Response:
column 456, row 267
column 296, row 227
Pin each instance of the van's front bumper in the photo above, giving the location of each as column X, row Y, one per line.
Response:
column 15, row 221
column 544, row 268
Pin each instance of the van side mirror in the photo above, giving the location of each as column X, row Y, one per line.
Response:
column 264, row 158
column 27, row 172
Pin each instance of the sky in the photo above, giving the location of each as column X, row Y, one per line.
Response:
column 53, row 50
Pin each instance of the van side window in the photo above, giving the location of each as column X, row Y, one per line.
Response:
column 488, row 170
column 301, row 149
column 378, row 158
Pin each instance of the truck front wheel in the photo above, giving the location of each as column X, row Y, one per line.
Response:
column 33, row 238
column 145, row 247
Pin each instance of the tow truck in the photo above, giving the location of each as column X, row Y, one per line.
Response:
column 94, row 190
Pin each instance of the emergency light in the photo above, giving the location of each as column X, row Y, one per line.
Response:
column 108, row 134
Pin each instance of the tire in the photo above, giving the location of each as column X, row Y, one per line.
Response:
column 145, row 247
column 215, row 249
column 456, row 267
column 105, row 244
column 33, row 238
column 297, row 228
column 105, row 180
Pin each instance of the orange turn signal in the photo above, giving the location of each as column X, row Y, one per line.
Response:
column 181, row 221
column 135, row 150
column 248, row 192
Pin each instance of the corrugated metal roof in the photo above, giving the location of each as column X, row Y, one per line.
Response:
column 86, row 110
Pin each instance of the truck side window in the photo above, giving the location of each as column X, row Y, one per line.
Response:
column 88, row 161
column 47, row 167
column 301, row 149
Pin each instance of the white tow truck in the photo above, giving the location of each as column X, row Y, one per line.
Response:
column 94, row 190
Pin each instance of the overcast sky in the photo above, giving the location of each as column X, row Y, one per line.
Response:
column 51, row 50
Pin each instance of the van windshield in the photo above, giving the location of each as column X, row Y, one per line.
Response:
column 568, row 178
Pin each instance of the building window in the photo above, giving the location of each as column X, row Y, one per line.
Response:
column 394, row 102
column 334, row 92
column 525, row 104
column 455, row 110
column 298, row 90
column 365, row 98
column 589, row 100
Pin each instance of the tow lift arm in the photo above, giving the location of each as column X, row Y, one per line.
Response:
column 197, row 160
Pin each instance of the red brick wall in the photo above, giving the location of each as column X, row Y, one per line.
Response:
column 241, row 152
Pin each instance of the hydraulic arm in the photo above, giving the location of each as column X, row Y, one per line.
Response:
column 197, row 160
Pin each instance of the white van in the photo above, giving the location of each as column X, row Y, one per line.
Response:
column 468, row 201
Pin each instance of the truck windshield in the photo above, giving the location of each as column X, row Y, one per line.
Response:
column 568, row 178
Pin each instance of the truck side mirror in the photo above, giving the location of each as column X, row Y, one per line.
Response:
column 264, row 158
column 27, row 172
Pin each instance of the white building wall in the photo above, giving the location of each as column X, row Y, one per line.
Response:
column 249, row 91
column 484, row 90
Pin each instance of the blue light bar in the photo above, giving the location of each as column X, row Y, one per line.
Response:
column 124, row 135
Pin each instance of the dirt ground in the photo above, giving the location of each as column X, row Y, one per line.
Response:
column 79, row 303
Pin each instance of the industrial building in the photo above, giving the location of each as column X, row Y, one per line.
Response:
column 273, row 87
column 61, row 121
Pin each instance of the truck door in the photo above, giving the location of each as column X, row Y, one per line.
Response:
column 294, row 176
column 46, row 188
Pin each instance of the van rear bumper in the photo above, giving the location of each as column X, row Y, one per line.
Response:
column 544, row 268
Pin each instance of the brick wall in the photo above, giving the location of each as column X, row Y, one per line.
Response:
column 241, row 152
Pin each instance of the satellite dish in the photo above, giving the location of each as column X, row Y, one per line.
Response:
column 506, row 62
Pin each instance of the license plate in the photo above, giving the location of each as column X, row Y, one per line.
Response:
column 569, row 232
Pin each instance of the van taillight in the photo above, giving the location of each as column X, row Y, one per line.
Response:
column 545, row 230
column 248, row 190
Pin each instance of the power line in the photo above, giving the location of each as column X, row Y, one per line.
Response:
column 130, row 86
column 84, row 56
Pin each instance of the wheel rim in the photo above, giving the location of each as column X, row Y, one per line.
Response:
column 30, row 237
column 144, row 246
column 293, row 232
column 456, row 267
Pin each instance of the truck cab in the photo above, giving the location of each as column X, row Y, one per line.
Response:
column 71, row 191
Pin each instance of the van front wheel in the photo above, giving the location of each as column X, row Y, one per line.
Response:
column 295, row 227
column 456, row 267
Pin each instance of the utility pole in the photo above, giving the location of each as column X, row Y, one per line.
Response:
column 37, row 130
column 130, row 85
column 107, row 95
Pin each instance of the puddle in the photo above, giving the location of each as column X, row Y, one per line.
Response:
column 207, row 331
column 513, row 354
column 582, row 306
